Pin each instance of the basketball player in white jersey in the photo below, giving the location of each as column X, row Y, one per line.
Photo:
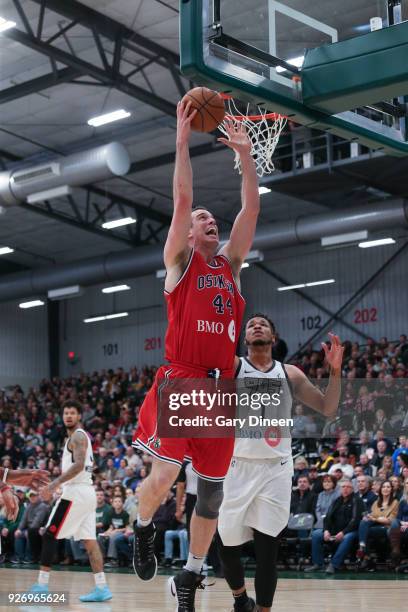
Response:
column 258, row 486
column 74, row 514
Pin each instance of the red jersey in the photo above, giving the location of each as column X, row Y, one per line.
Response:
column 205, row 312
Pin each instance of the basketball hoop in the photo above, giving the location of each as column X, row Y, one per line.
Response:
column 263, row 129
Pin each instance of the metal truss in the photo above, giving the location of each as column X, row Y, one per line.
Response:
column 111, row 40
column 90, row 215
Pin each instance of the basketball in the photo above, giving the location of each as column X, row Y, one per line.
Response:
column 210, row 108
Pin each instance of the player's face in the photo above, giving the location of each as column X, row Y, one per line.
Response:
column 204, row 228
column 258, row 332
column 71, row 417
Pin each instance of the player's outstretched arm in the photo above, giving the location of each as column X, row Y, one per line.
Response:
column 79, row 444
column 310, row 395
column 176, row 250
column 25, row 478
column 243, row 230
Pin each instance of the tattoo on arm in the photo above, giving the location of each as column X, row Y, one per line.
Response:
column 79, row 444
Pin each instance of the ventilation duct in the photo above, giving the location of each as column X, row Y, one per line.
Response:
column 147, row 260
column 74, row 170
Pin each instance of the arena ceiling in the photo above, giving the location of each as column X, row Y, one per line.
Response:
column 68, row 61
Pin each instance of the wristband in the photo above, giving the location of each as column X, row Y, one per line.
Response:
column 6, row 471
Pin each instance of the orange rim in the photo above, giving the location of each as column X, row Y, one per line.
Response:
column 274, row 116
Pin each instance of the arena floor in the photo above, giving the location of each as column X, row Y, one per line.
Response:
column 323, row 594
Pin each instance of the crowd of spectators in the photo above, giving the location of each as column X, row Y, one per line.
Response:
column 352, row 462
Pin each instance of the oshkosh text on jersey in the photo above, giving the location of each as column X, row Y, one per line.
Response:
column 207, row 281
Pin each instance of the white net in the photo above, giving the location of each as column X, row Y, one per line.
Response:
column 263, row 129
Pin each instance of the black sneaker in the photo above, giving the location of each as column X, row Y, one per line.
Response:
column 250, row 606
column 183, row 588
column 144, row 560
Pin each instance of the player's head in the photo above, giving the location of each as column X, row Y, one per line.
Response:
column 259, row 331
column 204, row 230
column 71, row 413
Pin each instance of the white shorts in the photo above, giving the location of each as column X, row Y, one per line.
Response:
column 256, row 496
column 74, row 514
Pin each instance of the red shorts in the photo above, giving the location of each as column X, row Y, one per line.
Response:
column 210, row 457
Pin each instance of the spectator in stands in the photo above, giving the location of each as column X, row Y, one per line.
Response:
column 7, row 535
column 110, row 472
column 368, row 469
column 397, row 487
column 130, row 480
column 381, row 452
column 300, row 422
column 134, row 460
column 119, row 519
column 387, row 465
column 340, row 526
column 383, row 511
column 303, row 499
column 365, row 408
column 402, row 448
column 377, row 438
column 363, row 442
column 399, row 527
column 365, row 492
column 121, row 471
column 326, row 460
column 325, row 498
column 343, row 464
column 27, row 535
column 301, row 468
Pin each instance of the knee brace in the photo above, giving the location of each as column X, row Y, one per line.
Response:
column 209, row 498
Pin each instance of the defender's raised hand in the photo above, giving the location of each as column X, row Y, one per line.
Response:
column 334, row 354
column 238, row 139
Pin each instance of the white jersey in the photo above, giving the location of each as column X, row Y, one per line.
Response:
column 265, row 442
column 85, row 476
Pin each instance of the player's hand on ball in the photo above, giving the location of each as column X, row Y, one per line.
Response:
column 334, row 354
column 238, row 139
column 184, row 118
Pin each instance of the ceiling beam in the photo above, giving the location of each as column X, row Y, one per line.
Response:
column 108, row 27
column 116, row 81
column 39, row 84
column 168, row 158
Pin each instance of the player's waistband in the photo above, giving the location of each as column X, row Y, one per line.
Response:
column 269, row 460
column 201, row 370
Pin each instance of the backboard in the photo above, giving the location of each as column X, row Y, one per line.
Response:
column 258, row 51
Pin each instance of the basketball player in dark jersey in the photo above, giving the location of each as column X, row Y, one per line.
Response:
column 205, row 310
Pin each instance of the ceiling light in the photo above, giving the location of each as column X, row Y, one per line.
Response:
column 49, row 194
column 6, row 25
column 289, row 287
column 108, row 117
column 31, row 304
column 323, row 282
column 161, row 274
column 339, row 239
column 374, row 243
column 95, row 319
column 263, row 190
column 295, row 61
column 115, row 288
column 64, row 293
column 245, row 265
column 6, row 250
column 254, row 256
column 302, row 285
column 118, row 223
column 115, row 315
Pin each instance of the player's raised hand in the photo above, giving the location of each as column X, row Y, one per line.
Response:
column 184, row 118
column 238, row 139
column 334, row 354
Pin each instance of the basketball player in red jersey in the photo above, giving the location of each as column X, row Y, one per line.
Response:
column 205, row 310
